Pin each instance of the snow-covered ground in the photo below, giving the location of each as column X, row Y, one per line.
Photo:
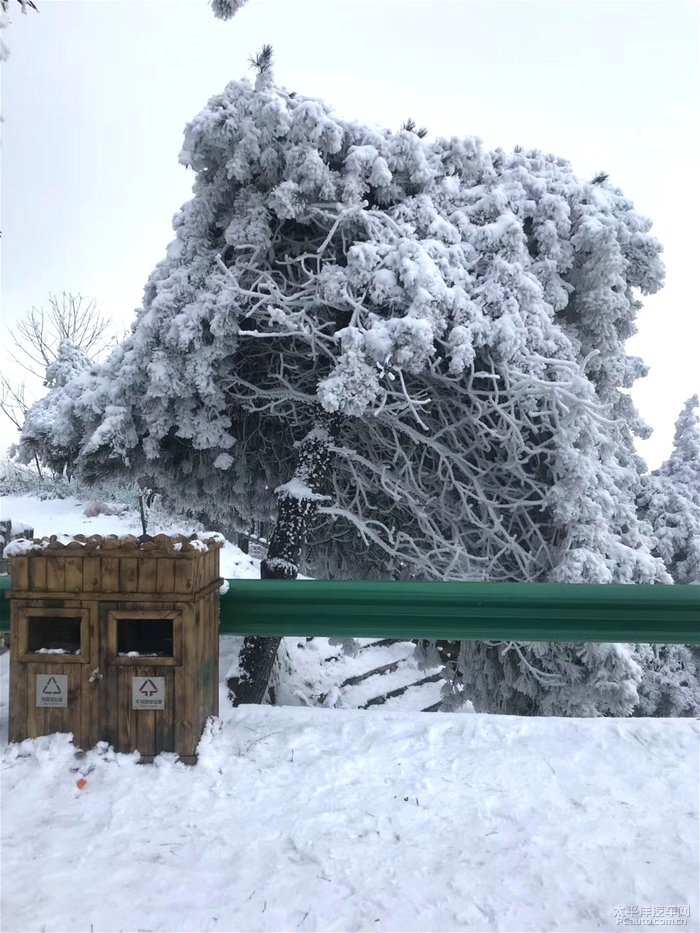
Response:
column 345, row 820
column 300, row 819
column 66, row 517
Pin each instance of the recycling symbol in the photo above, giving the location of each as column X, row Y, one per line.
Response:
column 148, row 693
column 51, row 687
column 52, row 690
column 148, row 688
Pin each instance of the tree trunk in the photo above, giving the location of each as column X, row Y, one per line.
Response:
column 297, row 504
column 256, row 661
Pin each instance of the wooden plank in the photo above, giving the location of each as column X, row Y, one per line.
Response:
column 165, row 576
column 147, row 575
column 74, row 574
column 108, row 725
column 207, row 567
column 19, row 568
column 91, row 575
column 166, row 597
column 128, row 574
column 37, row 574
column 91, row 692
column 55, row 574
column 183, row 576
column 18, row 701
column 183, row 725
column 185, row 709
column 200, row 562
column 215, row 646
column 212, row 650
column 110, row 575
column 165, row 719
column 195, row 662
column 60, row 719
column 111, row 549
column 169, row 724
column 127, row 732
column 19, row 631
column 210, row 662
column 179, row 649
column 36, row 715
column 213, row 565
column 193, row 619
column 145, row 723
column 188, row 759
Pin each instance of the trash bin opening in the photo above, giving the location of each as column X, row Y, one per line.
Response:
column 49, row 635
column 150, row 638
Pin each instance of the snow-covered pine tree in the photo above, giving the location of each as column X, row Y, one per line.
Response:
column 226, row 9
column 51, row 344
column 461, row 313
column 670, row 502
column 670, row 683
column 51, row 433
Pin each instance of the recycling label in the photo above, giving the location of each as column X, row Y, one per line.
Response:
column 148, row 692
column 52, row 690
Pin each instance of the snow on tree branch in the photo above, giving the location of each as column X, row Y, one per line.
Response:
column 5, row 22
column 461, row 315
column 226, row 9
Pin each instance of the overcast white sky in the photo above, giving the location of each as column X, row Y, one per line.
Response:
column 96, row 94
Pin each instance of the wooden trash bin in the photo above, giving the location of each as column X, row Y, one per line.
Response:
column 116, row 639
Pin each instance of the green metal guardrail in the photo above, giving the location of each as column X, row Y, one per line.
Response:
column 469, row 611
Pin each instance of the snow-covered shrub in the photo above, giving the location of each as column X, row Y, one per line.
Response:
column 51, row 432
column 539, row 678
column 670, row 680
column 670, row 500
column 442, row 326
column 19, row 480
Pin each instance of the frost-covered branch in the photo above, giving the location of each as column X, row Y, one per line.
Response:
column 459, row 315
column 226, row 9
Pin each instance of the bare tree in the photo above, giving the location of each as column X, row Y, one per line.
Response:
column 14, row 405
column 36, row 340
column 4, row 5
column 38, row 336
column 5, row 21
column 13, row 401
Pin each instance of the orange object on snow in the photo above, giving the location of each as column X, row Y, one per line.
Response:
column 81, row 783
